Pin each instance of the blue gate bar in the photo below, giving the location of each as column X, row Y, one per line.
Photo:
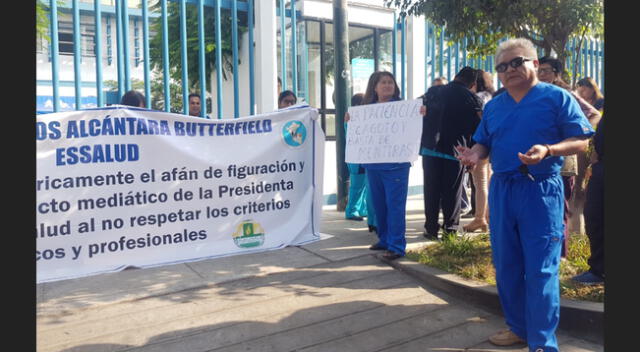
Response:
column 165, row 57
column 294, row 47
column 305, row 62
column 426, row 53
column 201, row 67
column 119, row 48
column 54, row 56
column 234, row 46
column 394, row 49
column 218, row 59
column 76, row 53
column 252, row 93
column 403, row 44
column 185, row 65
column 145, row 48
column 283, row 47
column 592, row 59
column 441, row 54
column 585, row 57
column 98, row 51
column 457, row 51
column 125, row 36
column 464, row 52
column 433, row 52
column 601, row 67
column 448, row 62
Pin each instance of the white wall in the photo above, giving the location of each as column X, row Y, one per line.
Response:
column 330, row 174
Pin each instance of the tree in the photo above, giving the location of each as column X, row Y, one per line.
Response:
column 547, row 23
column 42, row 18
column 193, row 48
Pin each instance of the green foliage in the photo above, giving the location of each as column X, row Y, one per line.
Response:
column 547, row 23
column 470, row 257
column 193, row 49
column 43, row 19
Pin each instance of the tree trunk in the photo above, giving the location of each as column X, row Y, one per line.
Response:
column 578, row 197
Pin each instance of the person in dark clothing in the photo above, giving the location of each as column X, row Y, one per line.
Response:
column 594, row 214
column 133, row 98
column 452, row 114
column 287, row 98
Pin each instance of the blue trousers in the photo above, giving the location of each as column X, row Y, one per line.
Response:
column 389, row 195
column 371, row 212
column 357, row 204
column 526, row 238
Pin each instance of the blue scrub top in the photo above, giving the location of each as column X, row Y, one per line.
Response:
column 546, row 115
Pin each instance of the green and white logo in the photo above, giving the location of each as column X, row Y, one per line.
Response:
column 294, row 133
column 248, row 234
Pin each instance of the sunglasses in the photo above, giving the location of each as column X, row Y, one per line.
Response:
column 515, row 63
column 546, row 70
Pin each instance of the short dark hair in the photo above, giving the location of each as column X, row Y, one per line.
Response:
column 357, row 99
column 467, row 75
column 133, row 98
column 553, row 62
column 286, row 93
column 194, row 95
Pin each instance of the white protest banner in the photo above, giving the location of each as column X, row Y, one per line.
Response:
column 123, row 186
column 384, row 132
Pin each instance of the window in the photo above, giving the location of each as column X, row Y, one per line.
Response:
column 87, row 35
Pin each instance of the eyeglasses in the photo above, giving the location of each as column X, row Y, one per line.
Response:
column 546, row 70
column 515, row 63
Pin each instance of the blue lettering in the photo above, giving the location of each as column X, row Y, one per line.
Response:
column 142, row 127
column 60, row 156
column 85, row 152
column 72, row 129
column 179, row 128
column 267, row 125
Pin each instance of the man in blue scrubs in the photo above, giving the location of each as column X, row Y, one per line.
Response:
column 526, row 131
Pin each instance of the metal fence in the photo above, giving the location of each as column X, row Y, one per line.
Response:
column 443, row 58
column 120, row 10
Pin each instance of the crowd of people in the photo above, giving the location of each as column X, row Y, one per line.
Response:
column 519, row 145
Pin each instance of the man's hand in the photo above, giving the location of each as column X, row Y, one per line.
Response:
column 423, row 110
column 467, row 156
column 346, row 117
column 535, row 154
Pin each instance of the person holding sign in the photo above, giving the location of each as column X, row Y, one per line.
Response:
column 527, row 131
column 452, row 114
column 389, row 182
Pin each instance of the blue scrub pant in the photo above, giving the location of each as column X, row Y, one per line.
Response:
column 526, row 238
column 389, row 194
column 357, row 204
column 371, row 212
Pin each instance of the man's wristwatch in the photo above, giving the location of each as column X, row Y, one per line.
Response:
column 549, row 154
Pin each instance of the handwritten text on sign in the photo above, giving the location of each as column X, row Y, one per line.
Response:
column 384, row 132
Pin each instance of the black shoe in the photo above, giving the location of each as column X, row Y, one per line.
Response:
column 469, row 215
column 389, row 255
column 431, row 237
column 376, row 247
column 355, row 218
column 373, row 229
